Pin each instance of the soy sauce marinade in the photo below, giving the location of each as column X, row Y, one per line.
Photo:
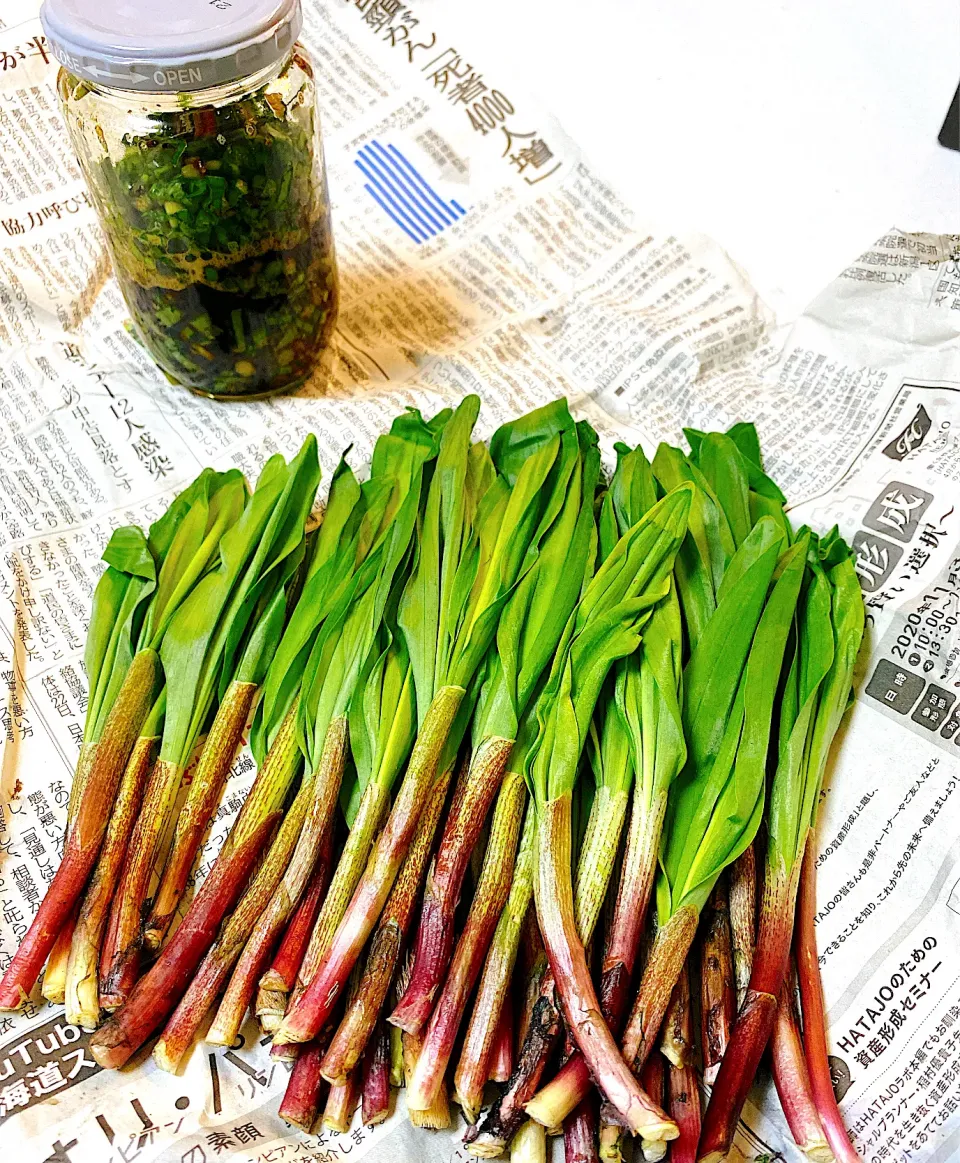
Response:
column 222, row 246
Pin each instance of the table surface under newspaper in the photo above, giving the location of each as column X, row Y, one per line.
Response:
column 480, row 252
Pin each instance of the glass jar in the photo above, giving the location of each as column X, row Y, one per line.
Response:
column 212, row 196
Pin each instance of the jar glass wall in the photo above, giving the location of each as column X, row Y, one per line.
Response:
column 215, row 208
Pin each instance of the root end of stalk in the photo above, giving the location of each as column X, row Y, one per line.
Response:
column 821, row 1153
column 664, row 1131
column 429, row 1120
column 712, row 1157
column 110, row 1057
column 215, row 1037
column 15, row 1000
column 541, row 1112
column 486, row 1147
column 164, row 1060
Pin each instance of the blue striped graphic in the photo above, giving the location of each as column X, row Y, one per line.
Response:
column 402, row 192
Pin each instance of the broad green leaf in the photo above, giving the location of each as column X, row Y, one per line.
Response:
column 382, row 721
column 218, row 501
column 125, row 585
column 715, row 806
column 724, row 468
column 537, row 610
column 606, row 625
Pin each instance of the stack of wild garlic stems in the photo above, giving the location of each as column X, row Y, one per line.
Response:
column 517, row 726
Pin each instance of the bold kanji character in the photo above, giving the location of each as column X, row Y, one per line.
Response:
column 14, row 1095
column 896, row 509
column 46, row 1078
column 220, row 1141
column 246, row 1133
column 81, row 1062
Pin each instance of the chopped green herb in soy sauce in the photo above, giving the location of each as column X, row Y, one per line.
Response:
column 219, row 227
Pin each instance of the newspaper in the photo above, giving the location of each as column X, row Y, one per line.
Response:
column 538, row 280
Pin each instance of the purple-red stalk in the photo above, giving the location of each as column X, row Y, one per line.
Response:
column 792, row 1080
column 155, row 994
column 219, row 751
column 501, row 1056
column 621, row 951
column 366, row 1005
column 755, row 1020
column 281, row 977
column 491, row 894
column 301, row 1099
column 376, row 1078
column 307, row 1015
column 434, row 942
column 249, row 968
column 581, row 1007
column 814, row 1015
column 580, row 1133
column 85, row 836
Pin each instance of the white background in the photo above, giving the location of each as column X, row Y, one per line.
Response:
column 794, row 134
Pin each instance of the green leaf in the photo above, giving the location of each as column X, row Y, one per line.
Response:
column 424, row 613
column 191, row 546
column 123, row 588
column 382, row 721
column 537, row 610
column 716, row 803
column 331, row 567
column 213, row 619
column 606, row 625
column 513, row 442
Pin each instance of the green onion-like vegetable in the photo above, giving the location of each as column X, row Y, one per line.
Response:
column 473, row 540
column 607, row 625
column 647, row 686
column 829, row 628
column 256, row 551
column 348, row 639
column 148, row 579
column 543, row 450
column 729, row 684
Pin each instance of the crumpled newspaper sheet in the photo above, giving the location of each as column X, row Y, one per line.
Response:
column 537, row 280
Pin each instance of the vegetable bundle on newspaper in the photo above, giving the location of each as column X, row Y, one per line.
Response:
column 498, row 705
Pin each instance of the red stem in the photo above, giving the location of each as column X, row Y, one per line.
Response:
column 755, row 1021
column 301, row 1099
column 376, row 1078
column 580, row 1133
column 685, row 1110
column 365, row 1006
column 581, row 1007
column 671, row 945
column 282, row 974
column 435, row 932
column 501, row 1057
column 307, row 1015
column 491, row 894
column 793, row 1081
column 86, row 833
column 814, row 1015
column 156, row 993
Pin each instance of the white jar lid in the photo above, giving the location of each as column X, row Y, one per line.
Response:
column 169, row 46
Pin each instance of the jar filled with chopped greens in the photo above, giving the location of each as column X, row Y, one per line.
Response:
column 195, row 127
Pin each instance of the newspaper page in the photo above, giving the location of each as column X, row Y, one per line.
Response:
column 524, row 277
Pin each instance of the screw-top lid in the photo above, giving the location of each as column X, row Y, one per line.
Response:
column 169, row 46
